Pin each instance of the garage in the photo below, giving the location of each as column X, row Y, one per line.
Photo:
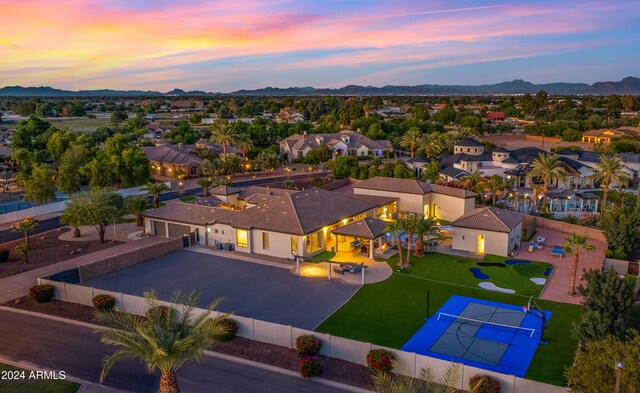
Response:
column 177, row 230
column 159, row 228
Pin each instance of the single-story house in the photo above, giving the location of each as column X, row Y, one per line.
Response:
column 488, row 230
column 342, row 143
column 173, row 160
column 418, row 197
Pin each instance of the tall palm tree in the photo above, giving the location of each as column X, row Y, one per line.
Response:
column 205, row 183
column 163, row 341
column 472, row 181
column 244, row 143
column 395, row 228
column 25, row 226
column 467, row 132
column 620, row 197
column 609, row 170
column 431, row 144
column 426, row 382
column 407, row 226
column 496, row 186
column 223, row 134
column 137, row 204
column 422, row 227
column 573, row 244
column 411, row 139
column 154, row 189
column 535, row 192
column 547, row 167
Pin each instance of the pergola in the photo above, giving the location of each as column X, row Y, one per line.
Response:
column 570, row 201
column 365, row 228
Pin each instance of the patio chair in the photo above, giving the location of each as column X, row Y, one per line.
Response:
column 356, row 269
column 338, row 270
column 540, row 239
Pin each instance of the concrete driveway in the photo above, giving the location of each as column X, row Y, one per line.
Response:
column 249, row 289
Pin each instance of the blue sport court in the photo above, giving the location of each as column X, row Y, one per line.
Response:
column 479, row 333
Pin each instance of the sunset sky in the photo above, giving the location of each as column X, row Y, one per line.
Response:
column 223, row 46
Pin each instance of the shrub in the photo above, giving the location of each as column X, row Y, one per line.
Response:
column 484, row 384
column 4, row 254
column 42, row 293
column 231, row 329
column 309, row 366
column 157, row 312
column 380, row 360
column 308, row 345
column 103, row 302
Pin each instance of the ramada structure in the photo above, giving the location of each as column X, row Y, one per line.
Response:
column 300, row 224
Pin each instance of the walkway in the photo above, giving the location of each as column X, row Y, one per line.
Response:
column 558, row 285
column 18, row 285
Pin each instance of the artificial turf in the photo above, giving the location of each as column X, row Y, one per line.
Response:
column 388, row 313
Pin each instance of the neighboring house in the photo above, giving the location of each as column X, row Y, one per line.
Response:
column 417, row 164
column 289, row 115
column 157, row 130
column 487, row 230
column 342, row 143
column 588, row 161
column 606, row 135
column 173, row 160
column 494, row 117
column 418, row 197
column 216, row 149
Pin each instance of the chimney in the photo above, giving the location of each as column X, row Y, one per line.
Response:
column 304, row 133
column 179, row 145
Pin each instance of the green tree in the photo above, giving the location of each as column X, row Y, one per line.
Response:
column 70, row 176
column 40, row 187
column 223, row 134
column 30, row 134
column 341, row 166
column 23, row 248
column 136, row 169
column 317, row 156
column 267, row 162
column 495, row 185
column 422, row 227
column 432, row 144
column 232, row 165
column 206, row 184
column 607, row 297
column 411, row 139
column 211, row 167
column 593, row 369
column 25, row 226
column 154, row 189
column 164, row 341
column 137, row 205
column 431, row 171
column 395, row 228
column 118, row 116
column 244, row 143
column 98, row 208
column 573, row 244
column 607, row 171
column 289, row 184
column 547, row 168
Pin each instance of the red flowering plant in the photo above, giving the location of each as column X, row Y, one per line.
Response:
column 484, row 384
column 309, row 366
column 103, row 302
column 308, row 345
column 380, row 360
column 42, row 293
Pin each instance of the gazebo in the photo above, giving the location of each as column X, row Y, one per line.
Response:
column 370, row 229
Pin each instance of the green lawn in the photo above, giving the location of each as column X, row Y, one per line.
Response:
column 323, row 256
column 188, row 198
column 455, row 270
column 390, row 312
column 41, row 386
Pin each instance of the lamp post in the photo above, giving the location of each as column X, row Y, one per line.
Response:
column 619, row 367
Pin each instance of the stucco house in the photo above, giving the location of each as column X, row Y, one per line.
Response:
column 342, row 143
column 606, row 135
column 418, row 197
column 173, row 160
column 488, row 230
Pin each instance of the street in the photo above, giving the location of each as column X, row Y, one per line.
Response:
column 78, row 351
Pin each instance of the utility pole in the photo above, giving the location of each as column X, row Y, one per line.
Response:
column 619, row 367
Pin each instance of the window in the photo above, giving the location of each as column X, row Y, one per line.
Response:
column 242, row 238
column 215, row 231
column 265, row 240
column 223, row 232
column 294, row 245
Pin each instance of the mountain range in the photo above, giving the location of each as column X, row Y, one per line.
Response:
column 628, row 85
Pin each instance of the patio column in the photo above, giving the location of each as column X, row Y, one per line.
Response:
column 336, row 247
column 329, row 267
column 596, row 209
column 363, row 269
column 581, row 204
column 566, row 205
column 370, row 249
column 297, row 266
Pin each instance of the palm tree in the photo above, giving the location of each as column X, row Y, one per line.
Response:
column 137, row 205
column 154, row 189
column 495, row 185
column 244, row 143
column 609, row 170
column 431, row 144
column 395, row 228
column 289, row 184
column 407, row 226
column 573, row 244
column 25, row 226
column 547, row 167
column 467, row 132
column 472, row 181
column 223, row 134
column 411, row 139
column 535, row 192
column 422, row 227
column 620, row 197
column 163, row 341
column 205, row 183
column 426, row 382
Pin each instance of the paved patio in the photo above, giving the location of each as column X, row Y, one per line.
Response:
column 374, row 272
column 558, row 285
column 249, row 289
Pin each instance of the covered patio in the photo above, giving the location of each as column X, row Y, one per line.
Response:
column 570, row 201
column 361, row 236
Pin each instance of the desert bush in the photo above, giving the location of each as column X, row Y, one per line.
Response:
column 308, row 345
column 380, row 360
column 231, row 329
column 103, row 302
column 484, row 384
column 309, row 367
column 42, row 293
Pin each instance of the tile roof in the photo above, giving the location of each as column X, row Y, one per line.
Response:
column 225, row 190
column 189, row 213
column 301, row 213
column 489, row 219
column 248, row 192
column 454, row 172
column 380, row 200
column 355, row 141
column 171, row 154
column 411, row 186
column 452, row 191
column 469, row 142
column 365, row 228
column 207, row 201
